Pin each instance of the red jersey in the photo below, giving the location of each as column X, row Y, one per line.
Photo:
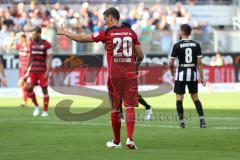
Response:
column 38, row 50
column 119, row 42
column 23, row 56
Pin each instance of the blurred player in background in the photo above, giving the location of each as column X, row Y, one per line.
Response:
column 148, row 114
column 38, row 68
column 3, row 79
column 23, row 55
column 188, row 54
column 124, row 56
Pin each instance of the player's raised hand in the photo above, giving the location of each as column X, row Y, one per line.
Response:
column 61, row 30
column 4, row 82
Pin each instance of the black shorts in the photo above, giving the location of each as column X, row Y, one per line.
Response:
column 179, row 87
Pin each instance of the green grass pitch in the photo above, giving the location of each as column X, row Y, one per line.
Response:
column 23, row 137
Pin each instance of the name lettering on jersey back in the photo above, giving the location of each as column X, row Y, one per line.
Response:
column 37, row 52
column 184, row 45
column 121, row 34
column 122, row 60
column 187, row 65
column 38, row 46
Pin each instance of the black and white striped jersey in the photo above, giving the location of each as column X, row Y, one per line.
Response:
column 186, row 52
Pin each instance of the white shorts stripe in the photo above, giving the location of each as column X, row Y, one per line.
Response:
column 188, row 77
column 180, row 76
column 176, row 75
column 195, row 76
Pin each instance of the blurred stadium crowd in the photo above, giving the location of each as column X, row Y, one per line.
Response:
column 147, row 21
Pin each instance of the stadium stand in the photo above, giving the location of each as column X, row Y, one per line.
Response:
column 155, row 23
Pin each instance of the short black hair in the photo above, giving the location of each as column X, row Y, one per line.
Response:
column 186, row 29
column 38, row 30
column 113, row 12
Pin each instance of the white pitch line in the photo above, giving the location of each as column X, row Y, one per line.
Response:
column 154, row 120
column 224, row 118
column 105, row 124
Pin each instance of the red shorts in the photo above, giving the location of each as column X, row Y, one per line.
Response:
column 35, row 78
column 123, row 89
column 21, row 72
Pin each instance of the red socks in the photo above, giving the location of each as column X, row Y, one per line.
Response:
column 116, row 125
column 33, row 97
column 25, row 95
column 130, row 121
column 45, row 101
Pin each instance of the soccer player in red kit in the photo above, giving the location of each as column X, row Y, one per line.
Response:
column 23, row 56
column 38, row 68
column 122, row 45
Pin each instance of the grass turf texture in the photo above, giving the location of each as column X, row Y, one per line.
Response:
column 24, row 137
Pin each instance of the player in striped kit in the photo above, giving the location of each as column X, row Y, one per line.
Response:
column 188, row 54
column 38, row 67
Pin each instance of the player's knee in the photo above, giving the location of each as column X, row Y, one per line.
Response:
column 194, row 97
column 179, row 97
column 45, row 91
column 29, row 88
column 115, row 109
column 119, row 109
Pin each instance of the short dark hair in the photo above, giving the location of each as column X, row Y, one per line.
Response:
column 113, row 12
column 186, row 29
column 38, row 30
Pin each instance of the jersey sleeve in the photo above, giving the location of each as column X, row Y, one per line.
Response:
column 47, row 45
column 173, row 53
column 135, row 39
column 199, row 50
column 50, row 51
column 98, row 36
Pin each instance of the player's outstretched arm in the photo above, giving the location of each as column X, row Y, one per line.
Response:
column 82, row 38
column 200, row 70
column 4, row 79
